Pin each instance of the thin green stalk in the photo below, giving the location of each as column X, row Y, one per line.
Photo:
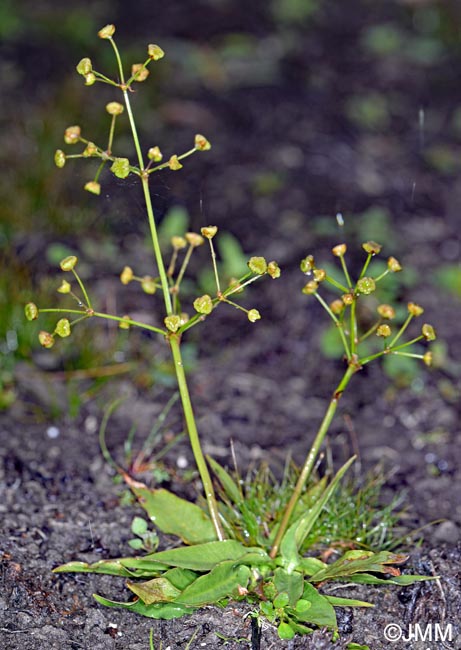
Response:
column 365, row 266
column 401, row 330
column 336, row 284
column 174, row 340
column 346, row 272
column 383, row 275
column 311, row 457
column 145, row 187
column 194, row 437
column 63, row 310
column 128, row 321
column 82, row 287
column 353, row 321
column 413, row 355
column 111, row 135
column 183, row 268
column 215, row 266
column 369, row 332
column 337, row 323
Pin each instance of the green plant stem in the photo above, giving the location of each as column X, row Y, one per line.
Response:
column 145, row 188
column 365, row 266
column 111, row 135
column 215, row 266
column 346, row 272
column 194, row 437
column 312, row 455
column 183, row 268
column 353, row 325
column 337, row 323
column 128, row 321
column 174, row 340
column 401, row 330
column 82, row 287
column 336, row 284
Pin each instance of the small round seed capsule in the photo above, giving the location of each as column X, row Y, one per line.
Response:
column 339, row 250
column 139, row 72
column 31, row 311
column 93, row 187
column 307, row 264
column 257, row 265
column 59, row 158
column 84, row 66
column 72, row 134
column 115, row 108
column 414, row 309
column 384, row 331
column 428, row 332
column 107, row 31
column 201, row 143
column 366, row 286
column 194, row 239
column 62, row 328
column 310, row 288
column 371, row 247
column 148, row 285
column 126, row 275
column 155, row 52
column 273, row 269
column 203, row 304
column 68, row 263
column 174, row 163
column 209, row 231
column 394, row 265
column 173, row 322
column 155, row 154
column 386, row 311
column 46, row 339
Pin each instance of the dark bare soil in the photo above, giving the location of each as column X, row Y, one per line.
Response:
column 287, row 147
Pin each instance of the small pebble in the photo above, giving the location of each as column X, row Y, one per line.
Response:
column 181, row 462
column 52, row 432
column 448, row 532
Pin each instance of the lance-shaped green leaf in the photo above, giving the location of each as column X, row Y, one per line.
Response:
column 360, row 561
column 202, row 557
column 368, row 579
column 336, row 601
column 228, row 483
column 165, row 611
column 109, row 567
column 176, row 516
column 157, row 590
column 224, row 580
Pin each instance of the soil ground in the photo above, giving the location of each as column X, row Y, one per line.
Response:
column 293, row 138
